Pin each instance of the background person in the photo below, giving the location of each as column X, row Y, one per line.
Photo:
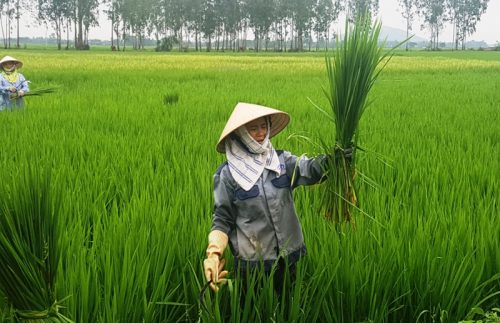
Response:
column 12, row 83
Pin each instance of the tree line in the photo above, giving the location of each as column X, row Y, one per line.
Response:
column 279, row 25
column 463, row 15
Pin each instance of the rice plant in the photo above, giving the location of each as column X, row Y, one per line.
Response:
column 352, row 73
column 136, row 185
column 35, row 92
column 29, row 249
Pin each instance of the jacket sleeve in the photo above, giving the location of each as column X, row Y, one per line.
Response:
column 23, row 86
column 4, row 86
column 303, row 170
column 223, row 216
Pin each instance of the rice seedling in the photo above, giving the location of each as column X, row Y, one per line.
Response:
column 29, row 249
column 170, row 99
column 35, row 92
column 352, row 72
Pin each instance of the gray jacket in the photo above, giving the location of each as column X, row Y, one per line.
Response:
column 261, row 223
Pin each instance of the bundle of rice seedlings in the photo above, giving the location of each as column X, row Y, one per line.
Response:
column 29, row 249
column 352, row 70
column 35, row 92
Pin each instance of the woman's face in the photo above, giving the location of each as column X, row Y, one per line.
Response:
column 9, row 66
column 257, row 129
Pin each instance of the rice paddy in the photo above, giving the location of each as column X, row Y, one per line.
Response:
column 129, row 140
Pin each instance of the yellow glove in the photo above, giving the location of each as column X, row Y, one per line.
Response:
column 213, row 265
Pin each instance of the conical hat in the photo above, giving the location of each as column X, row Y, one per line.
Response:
column 11, row 59
column 246, row 112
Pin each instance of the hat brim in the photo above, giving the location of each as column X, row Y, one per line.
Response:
column 241, row 116
column 7, row 59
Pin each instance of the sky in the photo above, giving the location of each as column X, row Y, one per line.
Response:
column 487, row 29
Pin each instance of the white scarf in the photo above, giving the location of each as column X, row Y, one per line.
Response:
column 247, row 158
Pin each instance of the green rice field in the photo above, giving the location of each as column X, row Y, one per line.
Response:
column 129, row 141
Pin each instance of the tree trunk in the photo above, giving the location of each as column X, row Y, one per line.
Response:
column 3, row 33
column 217, row 39
column 437, row 36
column 58, row 33
column 464, row 38
column 235, row 41
column 237, row 37
column 224, row 34
column 8, row 22
column 407, row 32
column 76, row 34
column 18, row 15
column 86, row 36
column 245, row 31
column 196, row 40
column 79, row 39
column 112, row 31
column 124, row 34
column 256, row 40
column 310, row 38
column 67, row 34
column 116, row 27
column 327, row 39
column 300, row 41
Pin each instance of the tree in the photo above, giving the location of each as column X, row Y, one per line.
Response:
column 409, row 10
column 302, row 14
column 361, row 8
column 85, row 12
column 325, row 13
column 464, row 15
column 20, row 5
column 282, row 23
column 433, row 13
column 114, row 15
column 139, row 15
column 156, row 22
column 70, row 9
column 209, row 22
column 194, row 20
column 231, row 20
column 54, row 12
column 260, row 15
column 7, row 7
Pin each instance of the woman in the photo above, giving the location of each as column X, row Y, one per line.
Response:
column 254, row 209
column 13, row 85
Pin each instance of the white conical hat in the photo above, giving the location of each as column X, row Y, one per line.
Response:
column 246, row 112
column 11, row 59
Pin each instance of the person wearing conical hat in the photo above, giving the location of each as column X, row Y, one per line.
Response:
column 13, row 85
column 254, row 209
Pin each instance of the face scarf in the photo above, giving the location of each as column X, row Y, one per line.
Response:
column 247, row 158
column 10, row 76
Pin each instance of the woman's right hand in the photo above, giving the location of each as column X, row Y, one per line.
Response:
column 213, row 265
column 214, row 272
column 12, row 89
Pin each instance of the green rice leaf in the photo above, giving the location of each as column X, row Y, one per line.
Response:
column 352, row 71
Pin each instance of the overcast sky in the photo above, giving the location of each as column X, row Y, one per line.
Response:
column 488, row 29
